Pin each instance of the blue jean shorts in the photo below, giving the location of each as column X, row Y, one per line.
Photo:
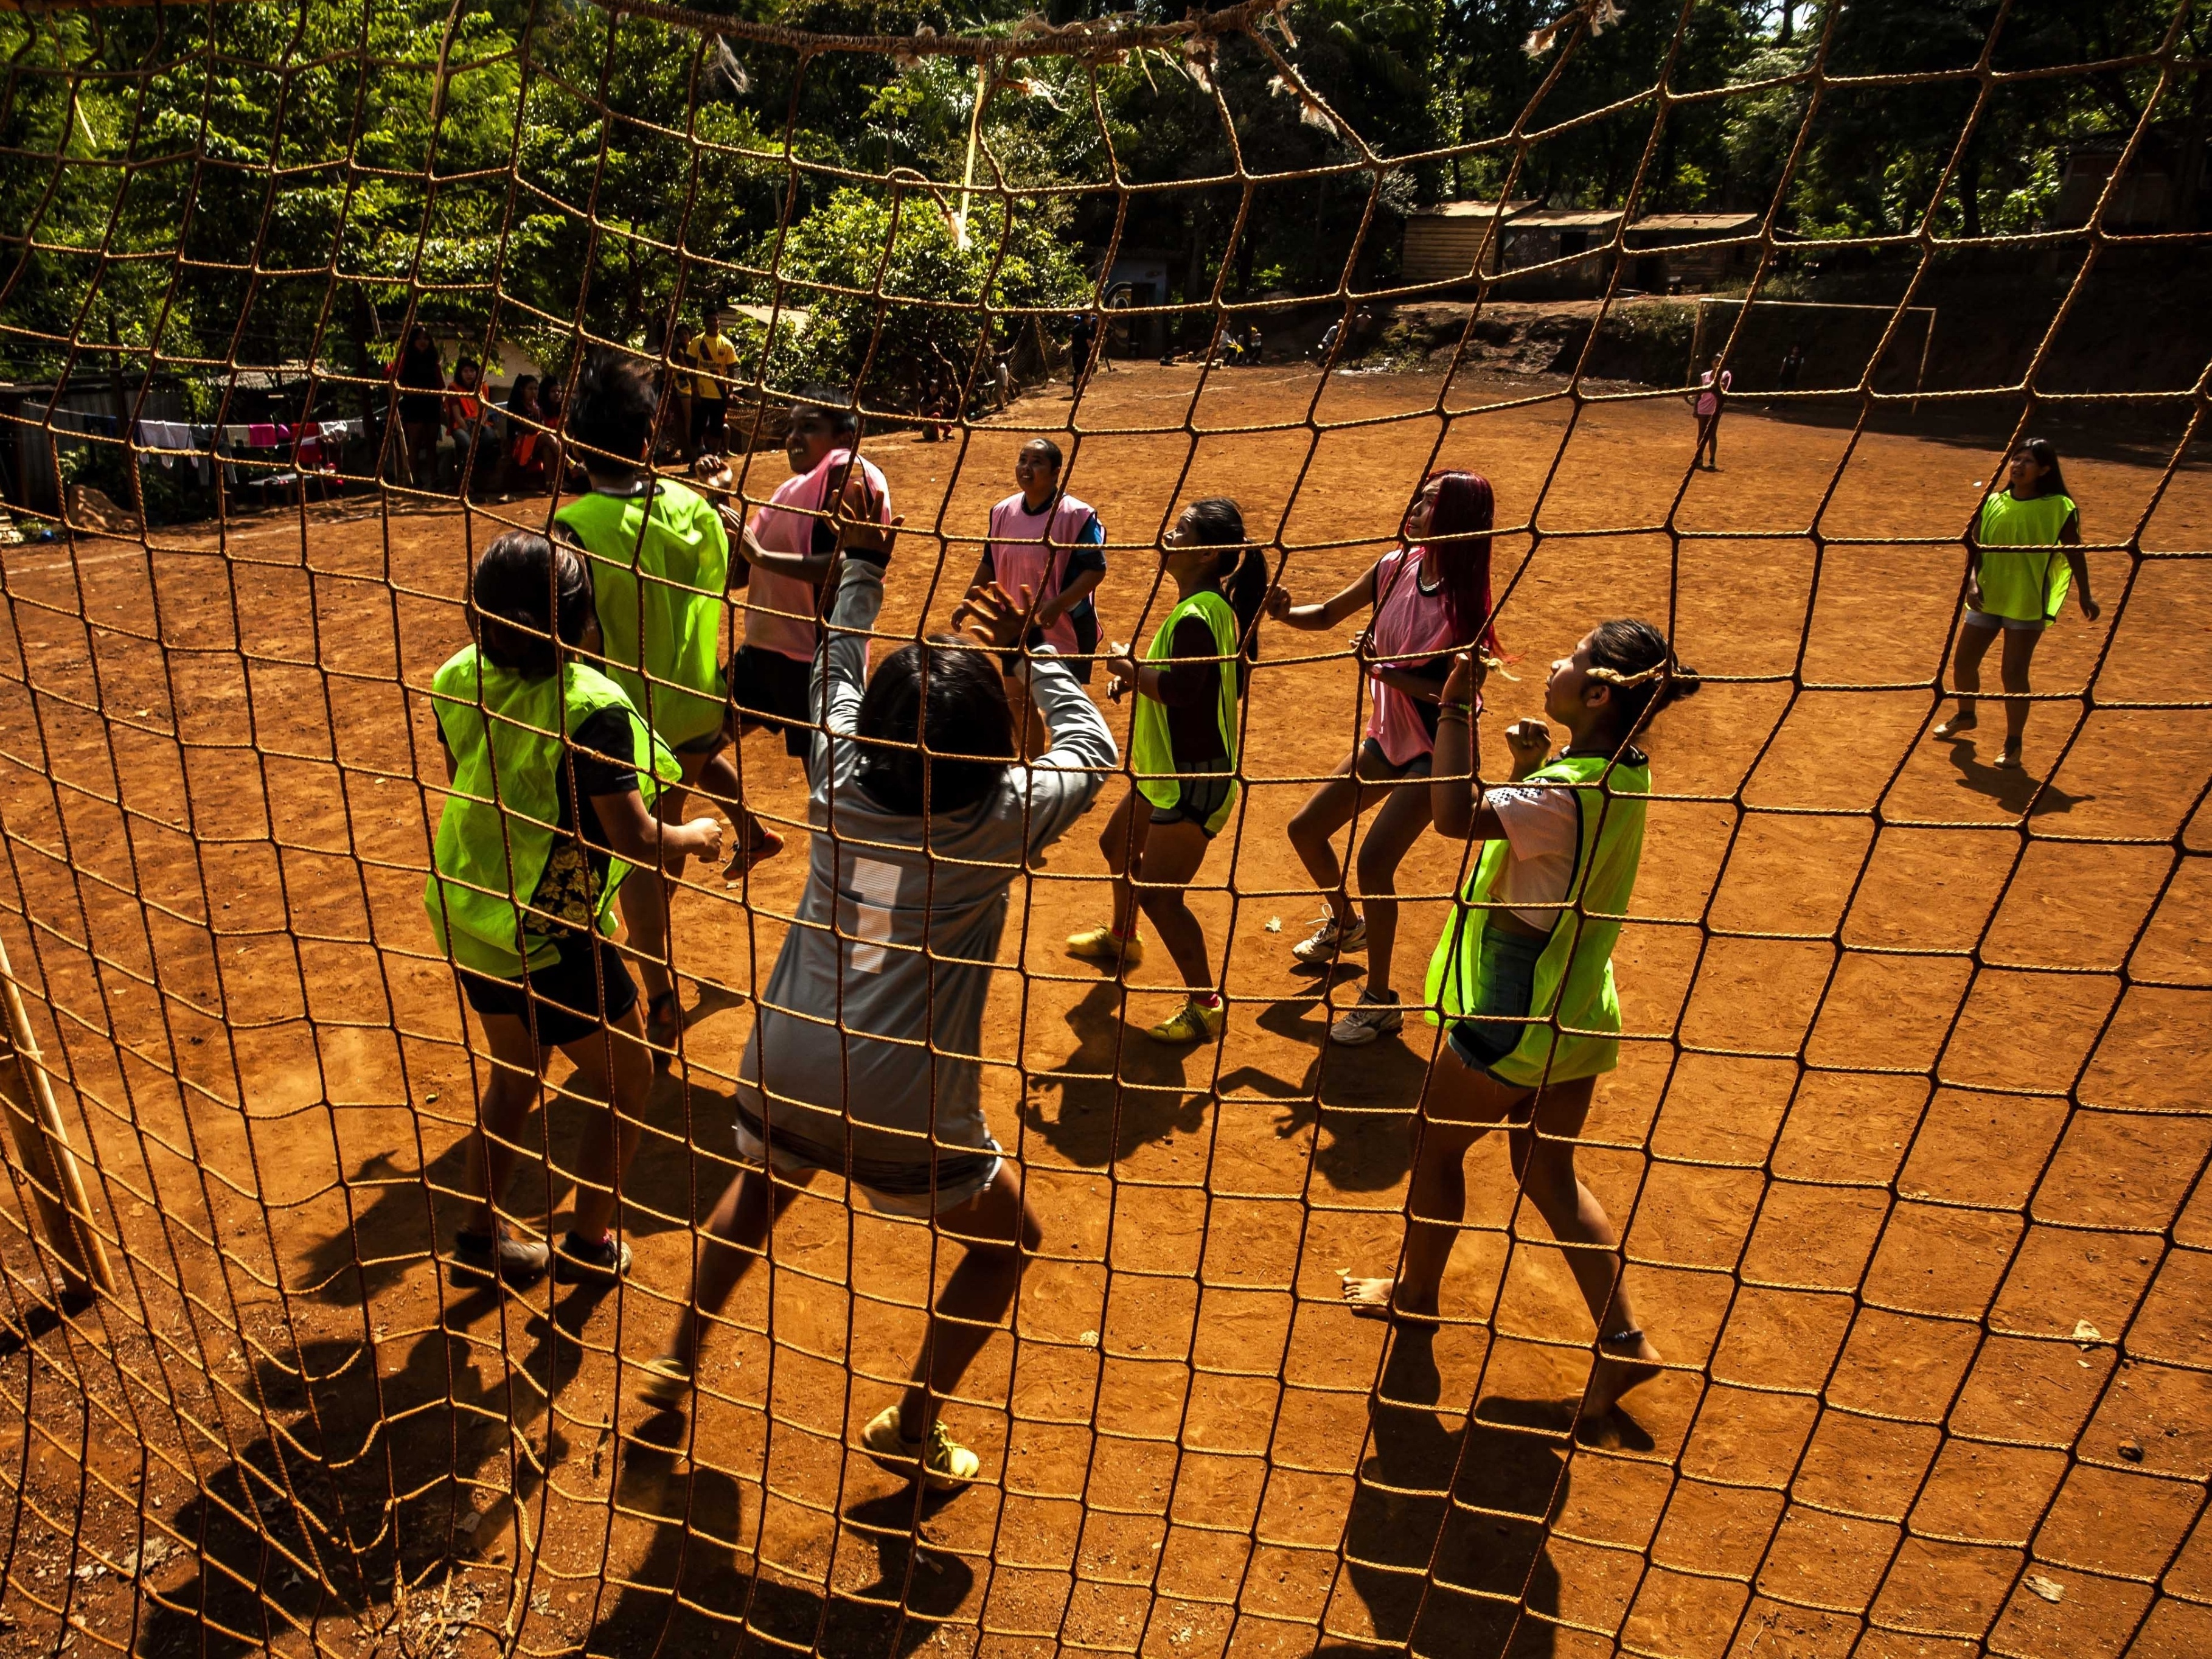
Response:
column 1507, row 976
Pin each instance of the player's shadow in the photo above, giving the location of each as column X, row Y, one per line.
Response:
column 395, row 1233
column 1118, row 1088
column 694, row 1587
column 1363, row 1098
column 360, row 1477
column 2014, row 788
column 1465, row 1573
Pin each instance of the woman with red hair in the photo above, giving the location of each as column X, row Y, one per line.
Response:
column 1430, row 597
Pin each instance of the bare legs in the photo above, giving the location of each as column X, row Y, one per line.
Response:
column 1974, row 642
column 1396, row 825
column 997, row 1227
column 1163, row 857
column 1463, row 1105
column 615, row 1069
column 1709, row 444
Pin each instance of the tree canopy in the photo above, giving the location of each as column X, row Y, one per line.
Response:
column 272, row 184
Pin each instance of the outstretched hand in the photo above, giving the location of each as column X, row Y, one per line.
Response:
column 1278, row 604
column 994, row 617
column 864, row 539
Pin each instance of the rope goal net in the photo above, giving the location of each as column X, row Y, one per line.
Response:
column 1905, row 1148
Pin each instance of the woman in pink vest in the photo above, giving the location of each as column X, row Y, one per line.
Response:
column 1432, row 597
column 790, row 544
column 1044, row 540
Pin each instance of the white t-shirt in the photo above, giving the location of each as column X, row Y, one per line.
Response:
column 1543, row 832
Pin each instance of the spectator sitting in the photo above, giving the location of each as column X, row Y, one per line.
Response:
column 527, row 445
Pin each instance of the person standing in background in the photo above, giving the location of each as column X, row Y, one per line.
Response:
column 419, row 371
column 1711, row 395
column 713, row 360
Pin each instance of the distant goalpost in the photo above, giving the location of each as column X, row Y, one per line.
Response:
column 1700, row 333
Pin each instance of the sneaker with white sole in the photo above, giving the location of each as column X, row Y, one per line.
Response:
column 1371, row 1017
column 1328, row 941
column 945, row 1463
column 579, row 1262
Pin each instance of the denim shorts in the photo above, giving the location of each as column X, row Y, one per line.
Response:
column 1507, row 979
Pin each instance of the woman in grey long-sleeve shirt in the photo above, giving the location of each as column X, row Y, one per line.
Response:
column 866, row 1057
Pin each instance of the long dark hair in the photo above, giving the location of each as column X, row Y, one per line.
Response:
column 527, row 597
column 1458, row 549
column 1217, row 521
column 1634, row 657
column 2053, row 482
column 947, row 694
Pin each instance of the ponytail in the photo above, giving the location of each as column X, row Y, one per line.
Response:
column 1634, row 658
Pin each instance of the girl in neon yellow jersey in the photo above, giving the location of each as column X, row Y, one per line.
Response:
column 1522, row 978
column 1183, row 755
column 2023, row 552
column 552, row 775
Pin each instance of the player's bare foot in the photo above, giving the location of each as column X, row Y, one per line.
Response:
column 1625, row 1360
column 1384, row 1298
column 1957, row 726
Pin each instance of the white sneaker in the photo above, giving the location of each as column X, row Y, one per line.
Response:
column 1326, row 942
column 1374, row 1016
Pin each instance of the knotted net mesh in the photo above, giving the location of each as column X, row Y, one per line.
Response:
column 1906, row 1144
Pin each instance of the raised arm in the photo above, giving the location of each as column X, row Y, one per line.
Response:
column 1456, row 803
column 841, row 670
column 1065, row 781
column 1330, row 612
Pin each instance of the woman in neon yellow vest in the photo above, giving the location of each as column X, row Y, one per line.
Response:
column 550, row 771
column 661, row 568
column 1182, row 754
column 1522, row 977
column 2022, row 553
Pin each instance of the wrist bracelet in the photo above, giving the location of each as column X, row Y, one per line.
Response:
column 1453, row 712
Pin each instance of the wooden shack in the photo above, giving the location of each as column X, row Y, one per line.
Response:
column 1443, row 242
column 1672, row 251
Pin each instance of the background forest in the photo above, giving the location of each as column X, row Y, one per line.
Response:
column 329, row 170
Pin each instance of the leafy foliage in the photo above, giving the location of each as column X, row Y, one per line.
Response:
column 529, row 168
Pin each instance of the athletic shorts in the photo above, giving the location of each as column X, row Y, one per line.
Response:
column 917, row 1189
column 561, row 1003
column 703, row 749
column 1508, row 978
column 709, row 419
column 2011, row 624
column 769, row 689
column 1198, row 799
column 1375, row 767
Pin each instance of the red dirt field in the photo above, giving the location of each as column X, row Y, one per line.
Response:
column 1908, row 1155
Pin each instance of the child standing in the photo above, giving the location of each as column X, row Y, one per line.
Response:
column 1429, row 599
column 1711, row 397
column 898, row 932
column 1183, row 755
column 1522, row 977
column 789, row 546
column 660, row 566
column 550, row 771
column 2022, row 553
column 1044, row 541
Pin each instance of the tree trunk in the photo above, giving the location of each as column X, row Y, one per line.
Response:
column 1788, row 31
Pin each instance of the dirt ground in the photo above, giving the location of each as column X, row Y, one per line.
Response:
column 1908, row 1151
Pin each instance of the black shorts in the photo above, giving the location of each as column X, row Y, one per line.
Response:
column 709, row 418
column 1508, row 978
column 561, row 1002
column 1198, row 799
column 1375, row 767
column 769, row 689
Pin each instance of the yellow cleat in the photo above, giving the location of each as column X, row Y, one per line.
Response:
column 1099, row 944
column 1194, row 1023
